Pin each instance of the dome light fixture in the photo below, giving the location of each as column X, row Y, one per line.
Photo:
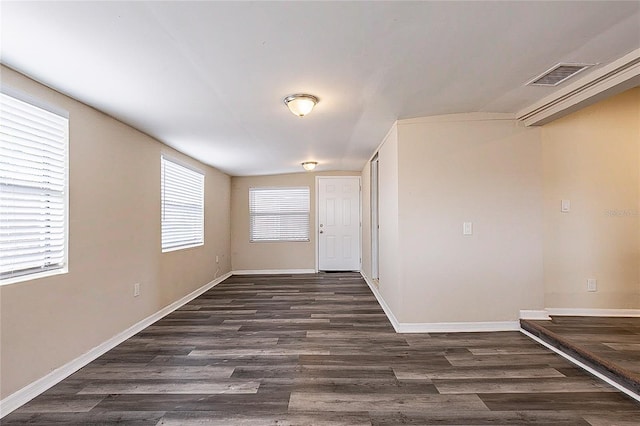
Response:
column 309, row 165
column 300, row 104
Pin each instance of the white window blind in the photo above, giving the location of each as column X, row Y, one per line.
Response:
column 33, row 190
column 182, row 194
column 279, row 214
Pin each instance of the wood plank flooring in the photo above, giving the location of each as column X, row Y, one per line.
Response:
column 318, row 350
column 611, row 345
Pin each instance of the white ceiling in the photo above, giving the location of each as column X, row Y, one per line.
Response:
column 208, row 78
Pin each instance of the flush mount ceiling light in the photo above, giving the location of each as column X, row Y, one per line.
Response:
column 309, row 165
column 300, row 104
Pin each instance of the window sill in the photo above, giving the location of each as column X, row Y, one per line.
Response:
column 279, row 241
column 34, row 276
column 168, row 250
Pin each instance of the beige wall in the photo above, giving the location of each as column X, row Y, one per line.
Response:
column 435, row 174
column 479, row 168
column 248, row 256
column 438, row 172
column 591, row 158
column 114, row 242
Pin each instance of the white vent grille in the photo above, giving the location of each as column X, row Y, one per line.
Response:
column 558, row 74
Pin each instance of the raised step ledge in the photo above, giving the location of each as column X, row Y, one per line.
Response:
column 623, row 377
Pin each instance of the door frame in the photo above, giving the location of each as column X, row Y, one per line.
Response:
column 374, row 205
column 317, row 219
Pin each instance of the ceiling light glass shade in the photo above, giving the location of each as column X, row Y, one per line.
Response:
column 300, row 104
column 309, row 165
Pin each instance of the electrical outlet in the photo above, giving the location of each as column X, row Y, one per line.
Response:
column 136, row 290
column 592, row 284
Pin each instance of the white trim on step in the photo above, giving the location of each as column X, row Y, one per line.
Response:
column 27, row 393
column 273, row 271
column 578, row 312
column 439, row 327
column 583, row 366
column 529, row 314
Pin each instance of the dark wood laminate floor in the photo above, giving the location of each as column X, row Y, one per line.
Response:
column 318, row 349
column 611, row 345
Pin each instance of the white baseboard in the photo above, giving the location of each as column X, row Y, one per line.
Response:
column 534, row 314
column 582, row 365
column 273, row 271
column 383, row 304
column 458, row 327
column 27, row 393
column 578, row 312
column 439, row 327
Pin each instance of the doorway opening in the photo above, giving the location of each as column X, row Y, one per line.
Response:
column 375, row 222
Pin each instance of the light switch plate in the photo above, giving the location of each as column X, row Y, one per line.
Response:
column 467, row 228
column 565, row 206
column 592, row 284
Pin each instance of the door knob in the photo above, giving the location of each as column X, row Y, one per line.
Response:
column 322, row 232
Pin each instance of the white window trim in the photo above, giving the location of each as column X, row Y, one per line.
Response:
column 169, row 158
column 64, row 269
column 281, row 240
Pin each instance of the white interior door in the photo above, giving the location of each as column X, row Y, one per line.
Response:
column 339, row 223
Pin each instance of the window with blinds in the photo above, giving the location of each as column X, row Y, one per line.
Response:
column 33, row 191
column 182, row 195
column 279, row 214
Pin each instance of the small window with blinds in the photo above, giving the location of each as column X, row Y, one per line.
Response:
column 182, row 197
column 33, row 191
column 279, row 214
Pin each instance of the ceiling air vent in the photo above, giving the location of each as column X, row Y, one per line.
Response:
column 557, row 74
